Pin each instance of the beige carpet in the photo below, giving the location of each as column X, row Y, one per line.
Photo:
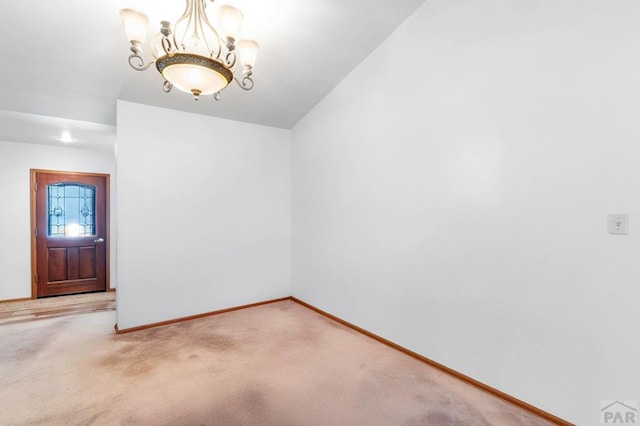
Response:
column 277, row 364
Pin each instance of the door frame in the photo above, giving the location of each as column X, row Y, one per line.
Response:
column 34, row 257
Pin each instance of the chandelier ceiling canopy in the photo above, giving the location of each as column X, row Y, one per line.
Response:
column 194, row 56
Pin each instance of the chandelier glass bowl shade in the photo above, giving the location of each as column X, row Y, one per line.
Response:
column 194, row 56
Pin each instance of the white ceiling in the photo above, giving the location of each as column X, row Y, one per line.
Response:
column 68, row 59
column 45, row 130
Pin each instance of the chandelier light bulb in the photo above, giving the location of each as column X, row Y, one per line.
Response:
column 135, row 25
column 230, row 21
column 248, row 51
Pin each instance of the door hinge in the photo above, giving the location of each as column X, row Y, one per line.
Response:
column 36, row 278
column 35, row 185
column 36, row 231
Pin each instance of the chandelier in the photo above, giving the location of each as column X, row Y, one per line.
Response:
column 194, row 56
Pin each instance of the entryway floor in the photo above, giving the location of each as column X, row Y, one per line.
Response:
column 53, row 307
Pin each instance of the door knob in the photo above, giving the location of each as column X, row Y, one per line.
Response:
column 99, row 240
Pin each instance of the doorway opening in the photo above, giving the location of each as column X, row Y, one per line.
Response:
column 69, row 233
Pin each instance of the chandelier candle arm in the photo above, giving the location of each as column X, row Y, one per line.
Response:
column 246, row 83
column 137, row 62
column 195, row 56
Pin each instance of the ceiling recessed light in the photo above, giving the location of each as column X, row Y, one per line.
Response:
column 65, row 137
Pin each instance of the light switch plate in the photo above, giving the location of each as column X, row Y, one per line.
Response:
column 619, row 223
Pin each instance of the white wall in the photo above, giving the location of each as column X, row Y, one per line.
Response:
column 16, row 160
column 204, row 219
column 451, row 195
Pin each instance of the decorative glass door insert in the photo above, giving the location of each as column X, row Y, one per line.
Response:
column 71, row 208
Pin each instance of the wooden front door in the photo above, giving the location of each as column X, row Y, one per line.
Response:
column 70, row 233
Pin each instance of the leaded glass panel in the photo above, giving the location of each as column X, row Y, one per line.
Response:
column 71, row 208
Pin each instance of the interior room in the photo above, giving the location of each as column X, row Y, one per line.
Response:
column 454, row 177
